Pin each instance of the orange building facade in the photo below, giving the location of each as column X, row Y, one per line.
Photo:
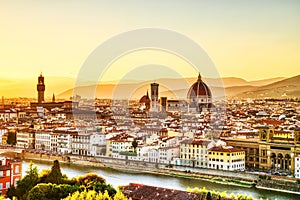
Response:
column 10, row 173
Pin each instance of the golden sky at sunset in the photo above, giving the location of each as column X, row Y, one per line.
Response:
column 251, row 40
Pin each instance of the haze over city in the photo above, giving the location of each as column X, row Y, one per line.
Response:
column 250, row 40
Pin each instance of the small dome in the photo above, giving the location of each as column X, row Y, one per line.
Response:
column 145, row 98
column 199, row 88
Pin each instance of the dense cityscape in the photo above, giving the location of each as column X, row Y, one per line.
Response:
column 258, row 137
column 149, row 100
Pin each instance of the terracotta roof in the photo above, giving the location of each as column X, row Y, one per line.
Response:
column 195, row 142
column 145, row 192
column 121, row 137
column 222, row 149
column 271, row 122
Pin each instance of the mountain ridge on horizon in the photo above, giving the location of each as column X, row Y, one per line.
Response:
column 227, row 81
column 233, row 86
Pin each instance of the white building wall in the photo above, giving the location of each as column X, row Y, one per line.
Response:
column 22, row 139
column 167, row 154
column 118, row 146
column 43, row 138
column 153, row 155
column 64, row 142
column 240, row 166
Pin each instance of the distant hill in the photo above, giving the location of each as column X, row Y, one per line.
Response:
column 171, row 87
column 232, row 81
column 265, row 81
column 235, row 90
column 287, row 88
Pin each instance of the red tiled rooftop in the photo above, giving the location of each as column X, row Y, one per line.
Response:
column 145, row 192
column 222, row 149
column 195, row 142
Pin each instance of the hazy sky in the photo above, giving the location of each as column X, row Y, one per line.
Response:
column 249, row 39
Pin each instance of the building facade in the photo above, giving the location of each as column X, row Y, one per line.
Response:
column 226, row 158
column 25, row 138
column 10, row 173
column 273, row 150
column 278, row 148
column 194, row 153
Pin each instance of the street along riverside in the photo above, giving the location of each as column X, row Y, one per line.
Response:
column 121, row 172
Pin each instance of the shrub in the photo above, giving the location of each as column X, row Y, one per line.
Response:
column 49, row 191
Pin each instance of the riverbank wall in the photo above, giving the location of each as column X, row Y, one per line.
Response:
column 279, row 185
column 225, row 177
column 132, row 165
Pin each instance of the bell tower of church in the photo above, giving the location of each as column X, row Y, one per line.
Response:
column 154, row 97
column 40, row 88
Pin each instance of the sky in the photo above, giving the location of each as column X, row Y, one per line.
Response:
column 252, row 40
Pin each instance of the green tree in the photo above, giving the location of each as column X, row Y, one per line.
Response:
column 97, row 183
column 49, row 191
column 91, row 195
column 102, row 187
column 11, row 138
column 24, row 185
column 208, row 196
column 43, row 175
column 134, row 145
column 55, row 175
column 88, row 178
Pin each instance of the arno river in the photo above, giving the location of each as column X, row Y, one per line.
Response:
column 117, row 178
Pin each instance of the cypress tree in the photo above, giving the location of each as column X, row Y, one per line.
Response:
column 55, row 176
column 208, row 196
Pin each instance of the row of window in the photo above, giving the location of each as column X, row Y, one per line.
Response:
column 7, row 185
column 81, row 146
column 187, row 150
column 197, row 163
column 215, row 166
column 7, row 173
column 228, row 154
column 221, row 160
column 193, row 145
column 191, row 157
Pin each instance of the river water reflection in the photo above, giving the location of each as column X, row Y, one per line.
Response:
column 116, row 178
